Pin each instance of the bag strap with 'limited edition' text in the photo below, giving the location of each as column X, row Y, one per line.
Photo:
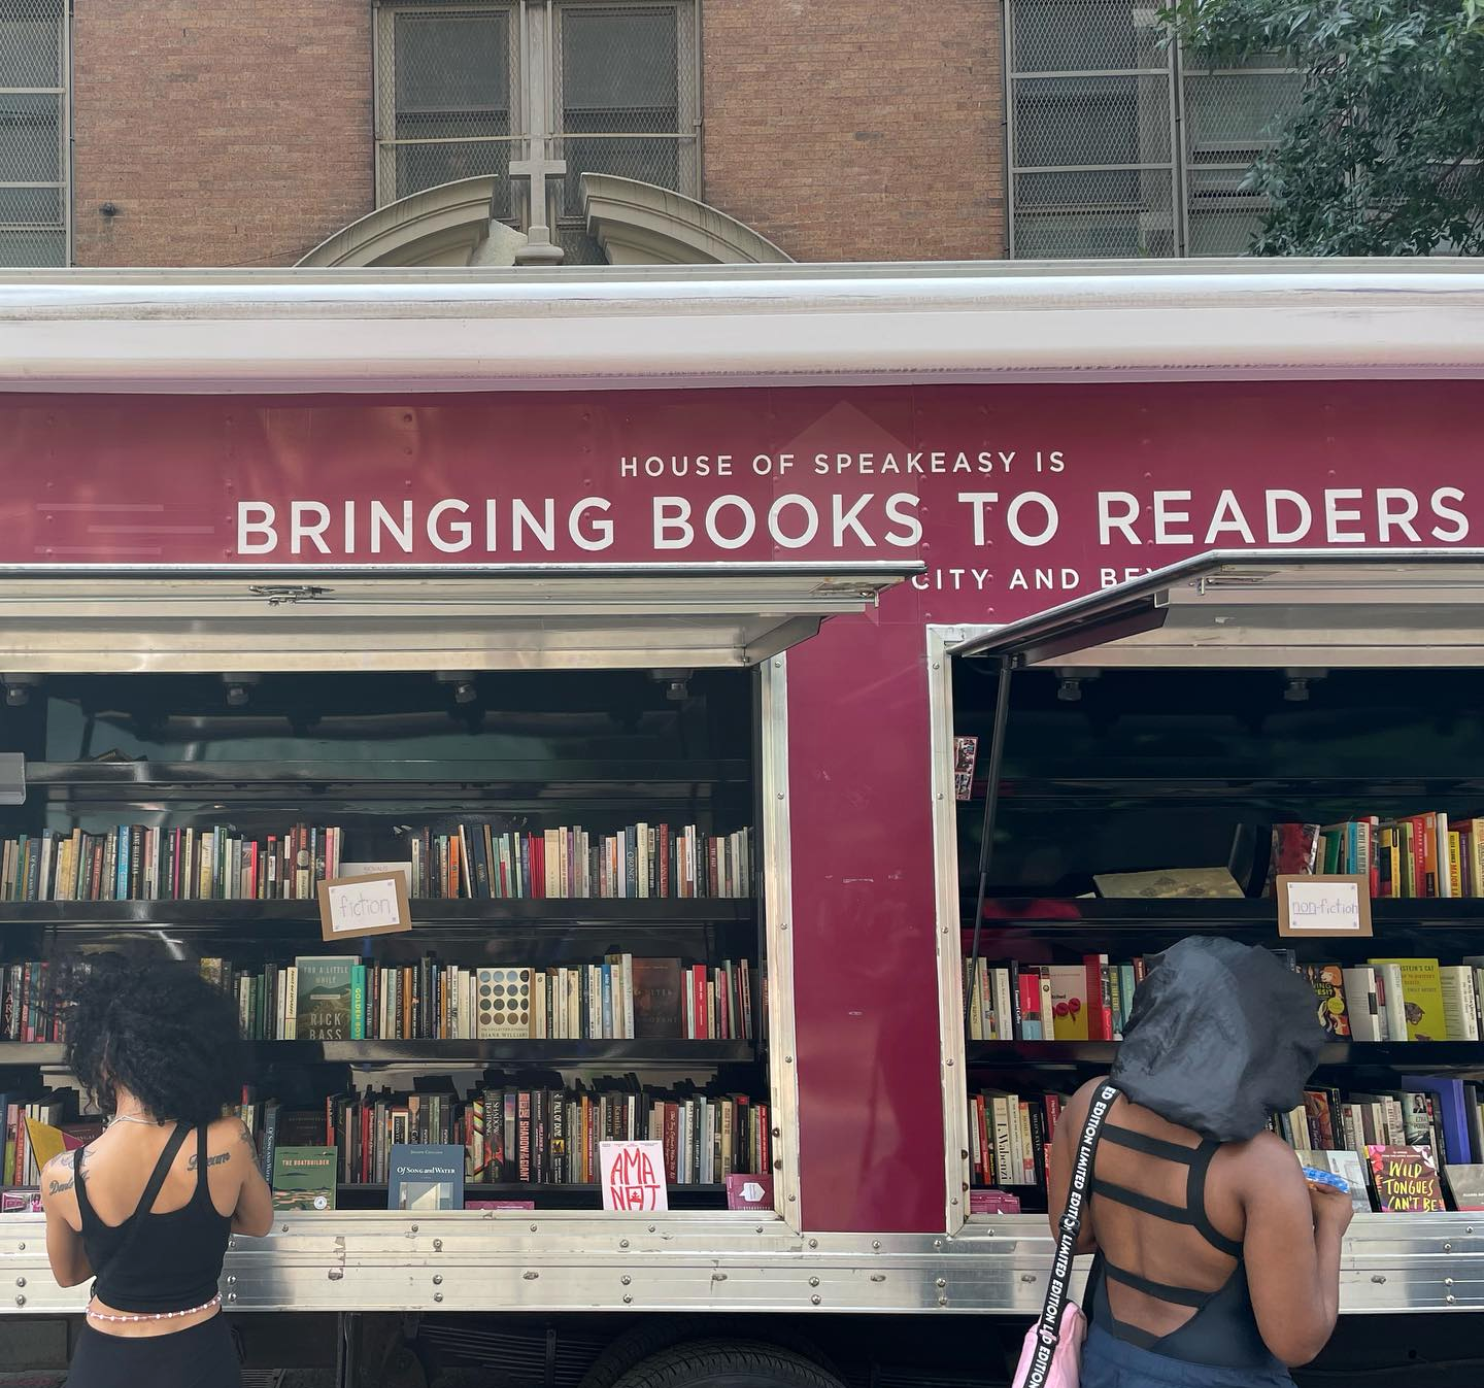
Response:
column 1049, row 1328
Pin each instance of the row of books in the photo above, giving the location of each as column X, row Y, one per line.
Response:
column 1423, row 855
column 1443, row 1113
column 1016, row 1001
column 30, row 998
column 1390, row 1147
column 642, row 861
column 477, row 861
column 340, row 998
column 145, row 862
column 507, row 1132
column 1381, row 1000
column 19, row 1164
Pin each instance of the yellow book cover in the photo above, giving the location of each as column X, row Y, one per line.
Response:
column 46, row 1141
column 1422, row 992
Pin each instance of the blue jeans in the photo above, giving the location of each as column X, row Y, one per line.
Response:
column 1108, row 1362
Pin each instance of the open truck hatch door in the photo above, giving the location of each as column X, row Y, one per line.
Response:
column 120, row 620
column 1266, row 609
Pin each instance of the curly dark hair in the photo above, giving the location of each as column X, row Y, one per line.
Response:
column 159, row 1030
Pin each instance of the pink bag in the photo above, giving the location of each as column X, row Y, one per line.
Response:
column 1051, row 1356
column 1066, row 1354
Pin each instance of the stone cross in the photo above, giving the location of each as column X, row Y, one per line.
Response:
column 538, row 166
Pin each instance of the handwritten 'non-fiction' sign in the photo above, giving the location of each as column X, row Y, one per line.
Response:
column 372, row 904
column 633, row 1176
column 1324, row 904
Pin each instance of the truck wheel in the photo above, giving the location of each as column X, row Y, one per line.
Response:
column 656, row 1333
column 727, row 1364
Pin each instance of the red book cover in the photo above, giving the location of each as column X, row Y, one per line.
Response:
column 1097, row 1028
column 749, row 1192
column 1053, row 1114
column 703, row 1015
column 986, row 1149
column 664, row 860
column 1293, row 853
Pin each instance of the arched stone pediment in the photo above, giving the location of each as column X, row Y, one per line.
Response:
column 643, row 224
column 635, row 224
column 446, row 225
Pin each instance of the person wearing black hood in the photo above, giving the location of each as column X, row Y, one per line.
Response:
column 1216, row 1265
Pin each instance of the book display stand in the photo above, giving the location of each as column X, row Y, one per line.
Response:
column 1147, row 763
column 591, row 834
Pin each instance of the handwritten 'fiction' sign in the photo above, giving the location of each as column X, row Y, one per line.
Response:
column 373, row 904
column 1324, row 904
column 633, row 1176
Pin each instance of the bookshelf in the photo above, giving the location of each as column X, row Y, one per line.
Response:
column 384, row 758
column 1155, row 769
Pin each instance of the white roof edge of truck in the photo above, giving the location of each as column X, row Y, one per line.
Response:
column 171, row 331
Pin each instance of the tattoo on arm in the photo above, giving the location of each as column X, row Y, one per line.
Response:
column 210, row 1161
column 245, row 1136
column 55, row 1170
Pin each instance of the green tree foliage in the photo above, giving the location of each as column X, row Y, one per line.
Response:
column 1380, row 156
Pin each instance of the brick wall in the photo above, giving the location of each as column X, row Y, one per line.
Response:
column 224, row 133
column 855, row 129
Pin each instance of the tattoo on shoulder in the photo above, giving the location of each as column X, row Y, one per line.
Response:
column 244, row 1135
column 58, row 1187
column 222, row 1160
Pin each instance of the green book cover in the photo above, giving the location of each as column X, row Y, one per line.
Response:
column 1422, row 997
column 323, row 1012
column 358, row 1002
column 304, row 1178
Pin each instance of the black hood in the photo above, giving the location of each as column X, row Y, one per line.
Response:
column 1221, row 1035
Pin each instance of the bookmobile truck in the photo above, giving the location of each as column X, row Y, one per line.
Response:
column 739, row 550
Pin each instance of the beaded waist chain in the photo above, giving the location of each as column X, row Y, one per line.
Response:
column 156, row 1316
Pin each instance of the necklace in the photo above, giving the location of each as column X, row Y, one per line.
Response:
column 135, row 1118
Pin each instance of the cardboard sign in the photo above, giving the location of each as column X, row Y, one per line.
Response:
column 374, row 904
column 1320, row 904
column 633, row 1175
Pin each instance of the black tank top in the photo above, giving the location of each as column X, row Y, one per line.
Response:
column 1223, row 1331
column 172, row 1261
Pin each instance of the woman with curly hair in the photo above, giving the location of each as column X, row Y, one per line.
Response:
column 146, row 1210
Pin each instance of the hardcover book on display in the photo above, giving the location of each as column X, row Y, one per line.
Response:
column 304, row 1178
column 1406, row 1180
column 1465, row 1185
column 323, row 1009
column 657, row 999
column 1196, row 884
column 426, row 1177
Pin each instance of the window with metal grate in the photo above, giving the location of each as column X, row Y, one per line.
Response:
column 608, row 87
column 1119, row 146
column 33, row 133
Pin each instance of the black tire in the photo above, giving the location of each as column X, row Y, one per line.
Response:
column 656, row 1333
column 728, row 1364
